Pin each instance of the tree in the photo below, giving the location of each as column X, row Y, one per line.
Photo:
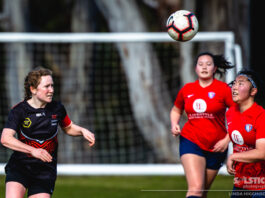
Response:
column 150, row 105
column 75, row 77
column 14, row 19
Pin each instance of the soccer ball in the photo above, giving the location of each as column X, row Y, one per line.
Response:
column 182, row 25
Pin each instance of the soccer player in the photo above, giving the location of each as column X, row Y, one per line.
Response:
column 203, row 139
column 246, row 127
column 35, row 120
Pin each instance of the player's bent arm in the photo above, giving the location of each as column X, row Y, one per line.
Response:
column 230, row 166
column 175, row 115
column 222, row 144
column 253, row 155
column 8, row 140
column 75, row 130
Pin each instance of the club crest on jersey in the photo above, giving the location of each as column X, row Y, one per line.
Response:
column 248, row 127
column 26, row 123
column 211, row 95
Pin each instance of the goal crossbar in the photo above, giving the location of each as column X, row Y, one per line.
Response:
column 226, row 37
column 13, row 37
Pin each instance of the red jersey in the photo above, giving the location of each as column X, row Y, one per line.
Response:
column 244, row 129
column 205, row 108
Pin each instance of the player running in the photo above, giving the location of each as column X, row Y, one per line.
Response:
column 203, row 139
column 246, row 127
column 35, row 120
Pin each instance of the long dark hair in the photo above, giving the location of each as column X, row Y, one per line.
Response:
column 33, row 80
column 219, row 61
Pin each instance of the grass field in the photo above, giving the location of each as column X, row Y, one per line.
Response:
column 129, row 187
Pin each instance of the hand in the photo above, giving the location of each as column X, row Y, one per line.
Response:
column 41, row 154
column 89, row 136
column 221, row 145
column 175, row 130
column 230, row 165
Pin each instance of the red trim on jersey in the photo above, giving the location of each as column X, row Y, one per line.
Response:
column 49, row 145
column 65, row 122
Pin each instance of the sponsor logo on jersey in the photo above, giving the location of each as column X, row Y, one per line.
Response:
column 54, row 120
column 26, row 123
column 248, row 127
column 199, row 106
column 40, row 114
column 211, row 95
column 190, row 95
column 237, row 137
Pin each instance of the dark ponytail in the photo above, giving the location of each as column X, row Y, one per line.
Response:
column 219, row 61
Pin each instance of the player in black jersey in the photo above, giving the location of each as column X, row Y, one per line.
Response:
column 35, row 120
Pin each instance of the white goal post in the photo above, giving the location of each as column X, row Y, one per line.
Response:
column 120, row 169
column 232, row 53
column 232, row 50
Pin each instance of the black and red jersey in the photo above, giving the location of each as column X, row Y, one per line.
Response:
column 37, row 128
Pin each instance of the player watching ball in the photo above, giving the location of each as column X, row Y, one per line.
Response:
column 35, row 120
column 246, row 128
column 203, row 139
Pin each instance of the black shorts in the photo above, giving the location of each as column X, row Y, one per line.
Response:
column 34, row 185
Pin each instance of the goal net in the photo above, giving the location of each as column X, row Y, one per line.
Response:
column 94, row 78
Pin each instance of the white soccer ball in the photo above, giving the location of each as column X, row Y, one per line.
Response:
column 182, row 25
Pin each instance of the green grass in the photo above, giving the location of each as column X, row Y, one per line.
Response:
column 130, row 186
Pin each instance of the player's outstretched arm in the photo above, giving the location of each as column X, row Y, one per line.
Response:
column 75, row 130
column 8, row 140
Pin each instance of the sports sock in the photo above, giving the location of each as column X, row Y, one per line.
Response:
column 192, row 196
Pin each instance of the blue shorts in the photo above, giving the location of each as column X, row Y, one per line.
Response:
column 214, row 160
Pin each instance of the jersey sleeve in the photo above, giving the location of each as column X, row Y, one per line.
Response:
column 179, row 102
column 13, row 120
column 260, row 126
column 228, row 97
column 65, row 121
